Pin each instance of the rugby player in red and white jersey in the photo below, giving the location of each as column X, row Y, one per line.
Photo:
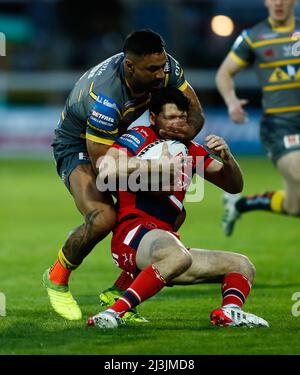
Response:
column 145, row 243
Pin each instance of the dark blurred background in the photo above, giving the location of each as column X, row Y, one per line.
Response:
column 50, row 43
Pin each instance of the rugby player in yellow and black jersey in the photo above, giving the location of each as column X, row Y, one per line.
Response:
column 271, row 47
column 103, row 103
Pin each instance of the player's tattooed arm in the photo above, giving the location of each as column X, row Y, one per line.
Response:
column 195, row 115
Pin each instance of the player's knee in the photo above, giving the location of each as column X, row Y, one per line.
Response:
column 184, row 260
column 293, row 172
column 247, row 268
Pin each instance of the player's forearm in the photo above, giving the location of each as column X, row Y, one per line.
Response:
column 196, row 120
column 225, row 85
column 134, row 173
column 195, row 114
column 232, row 176
column 96, row 151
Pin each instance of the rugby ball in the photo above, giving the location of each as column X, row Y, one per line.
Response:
column 154, row 149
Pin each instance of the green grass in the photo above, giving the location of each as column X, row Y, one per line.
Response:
column 37, row 213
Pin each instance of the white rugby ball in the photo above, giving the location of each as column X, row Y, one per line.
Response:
column 154, row 149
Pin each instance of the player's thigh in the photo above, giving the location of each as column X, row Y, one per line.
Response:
column 212, row 265
column 87, row 197
column 157, row 245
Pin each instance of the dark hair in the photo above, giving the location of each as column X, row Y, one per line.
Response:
column 168, row 95
column 143, row 42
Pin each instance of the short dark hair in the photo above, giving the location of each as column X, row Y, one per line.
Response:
column 168, row 95
column 143, row 42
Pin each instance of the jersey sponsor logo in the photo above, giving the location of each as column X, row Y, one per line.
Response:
column 150, row 225
column 177, row 69
column 118, row 57
column 291, row 141
column 129, row 103
column 132, row 141
column 144, row 132
column 167, row 67
column 296, row 49
column 291, row 70
column 285, row 73
column 107, row 102
column 296, row 35
column 101, row 121
column 287, row 50
column 83, row 156
column 101, row 116
column 99, row 69
column 104, row 113
column 279, row 75
column 269, row 52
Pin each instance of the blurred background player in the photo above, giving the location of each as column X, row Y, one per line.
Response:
column 102, row 104
column 269, row 46
column 144, row 242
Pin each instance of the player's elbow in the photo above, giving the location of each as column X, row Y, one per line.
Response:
column 221, row 73
column 223, row 77
column 236, row 187
column 218, row 77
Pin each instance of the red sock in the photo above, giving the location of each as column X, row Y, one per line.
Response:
column 124, row 281
column 146, row 284
column 58, row 274
column 235, row 289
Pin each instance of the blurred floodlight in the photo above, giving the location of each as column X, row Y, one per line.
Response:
column 222, row 25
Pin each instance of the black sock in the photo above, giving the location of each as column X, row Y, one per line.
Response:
column 255, row 202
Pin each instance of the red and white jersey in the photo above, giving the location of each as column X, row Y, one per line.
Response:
column 142, row 204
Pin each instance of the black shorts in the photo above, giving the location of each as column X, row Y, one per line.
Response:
column 67, row 157
column 279, row 136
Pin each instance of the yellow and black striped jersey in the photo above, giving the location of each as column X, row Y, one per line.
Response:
column 100, row 106
column 273, row 52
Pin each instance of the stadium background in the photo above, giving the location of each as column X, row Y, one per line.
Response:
column 49, row 44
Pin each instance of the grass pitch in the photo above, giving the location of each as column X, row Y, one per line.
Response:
column 37, row 213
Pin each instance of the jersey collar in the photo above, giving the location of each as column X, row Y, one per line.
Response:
column 282, row 29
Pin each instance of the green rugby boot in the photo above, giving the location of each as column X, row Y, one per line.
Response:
column 109, row 296
column 61, row 299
